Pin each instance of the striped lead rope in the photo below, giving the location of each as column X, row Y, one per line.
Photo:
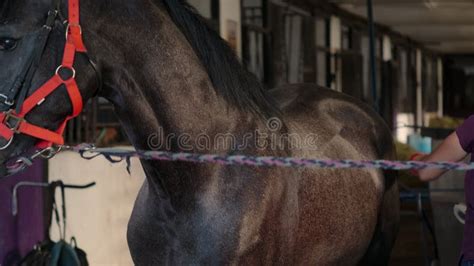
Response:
column 115, row 155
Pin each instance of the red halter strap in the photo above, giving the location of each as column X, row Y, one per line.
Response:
column 12, row 123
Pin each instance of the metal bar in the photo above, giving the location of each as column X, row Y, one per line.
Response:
column 15, row 193
column 41, row 185
column 267, row 44
column 80, row 186
column 422, row 231
column 373, row 61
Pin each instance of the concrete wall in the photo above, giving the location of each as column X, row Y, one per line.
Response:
column 202, row 6
column 335, row 46
column 419, row 88
column 98, row 216
column 230, row 17
column 440, row 85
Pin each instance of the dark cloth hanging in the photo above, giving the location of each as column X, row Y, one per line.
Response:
column 48, row 252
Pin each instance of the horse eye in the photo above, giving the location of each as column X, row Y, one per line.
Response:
column 7, row 44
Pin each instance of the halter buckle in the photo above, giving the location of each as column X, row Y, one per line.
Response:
column 7, row 101
column 69, row 26
column 48, row 153
column 13, row 121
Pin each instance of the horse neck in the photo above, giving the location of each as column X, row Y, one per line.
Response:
column 158, row 84
column 159, row 88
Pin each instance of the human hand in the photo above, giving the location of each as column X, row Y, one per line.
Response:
column 416, row 157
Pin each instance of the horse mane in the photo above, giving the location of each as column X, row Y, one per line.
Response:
column 3, row 8
column 230, row 79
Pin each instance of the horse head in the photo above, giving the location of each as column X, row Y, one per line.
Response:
column 45, row 74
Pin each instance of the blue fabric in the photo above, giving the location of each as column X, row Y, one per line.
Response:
column 467, row 263
column 64, row 254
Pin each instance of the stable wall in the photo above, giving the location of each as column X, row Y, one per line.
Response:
column 203, row 7
column 230, row 23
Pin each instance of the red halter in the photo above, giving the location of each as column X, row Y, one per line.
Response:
column 13, row 123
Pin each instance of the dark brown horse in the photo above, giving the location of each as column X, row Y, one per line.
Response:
column 168, row 74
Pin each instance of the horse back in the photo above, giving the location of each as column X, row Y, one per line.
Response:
column 309, row 109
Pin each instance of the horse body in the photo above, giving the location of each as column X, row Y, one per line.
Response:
column 166, row 72
column 281, row 216
column 355, row 211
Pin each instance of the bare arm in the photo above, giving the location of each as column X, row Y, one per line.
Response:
column 450, row 150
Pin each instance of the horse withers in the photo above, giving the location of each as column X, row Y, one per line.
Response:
column 169, row 75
